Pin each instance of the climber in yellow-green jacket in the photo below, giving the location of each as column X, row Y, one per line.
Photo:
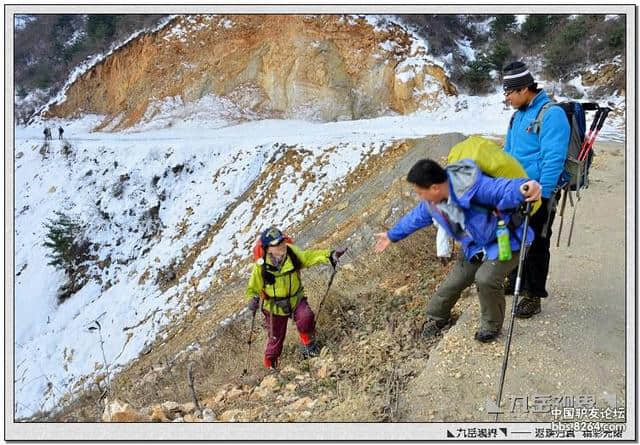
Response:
column 275, row 280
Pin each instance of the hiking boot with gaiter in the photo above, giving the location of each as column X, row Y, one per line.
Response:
column 528, row 307
column 486, row 336
column 310, row 350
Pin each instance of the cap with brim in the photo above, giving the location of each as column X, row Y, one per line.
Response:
column 271, row 237
column 516, row 76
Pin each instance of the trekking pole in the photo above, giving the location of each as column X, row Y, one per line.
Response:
column 585, row 156
column 587, row 138
column 333, row 274
column 601, row 117
column 573, row 218
column 246, row 366
column 565, row 192
column 516, row 294
column 582, row 157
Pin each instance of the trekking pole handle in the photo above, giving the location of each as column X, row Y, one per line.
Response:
column 605, row 112
column 527, row 210
column 596, row 118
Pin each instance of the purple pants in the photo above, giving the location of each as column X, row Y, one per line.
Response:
column 276, row 326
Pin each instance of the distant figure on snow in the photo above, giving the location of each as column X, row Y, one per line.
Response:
column 60, row 132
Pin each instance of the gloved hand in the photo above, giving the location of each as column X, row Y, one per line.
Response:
column 336, row 254
column 254, row 304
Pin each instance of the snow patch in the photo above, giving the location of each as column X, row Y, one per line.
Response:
column 520, row 19
column 388, row 45
column 20, row 21
column 226, row 23
column 464, row 46
column 78, row 35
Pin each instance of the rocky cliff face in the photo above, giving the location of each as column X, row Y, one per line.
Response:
column 327, row 67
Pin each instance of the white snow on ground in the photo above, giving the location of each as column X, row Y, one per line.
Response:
column 483, row 27
column 226, row 23
column 611, row 17
column 75, row 37
column 520, row 19
column 21, row 20
column 464, row 46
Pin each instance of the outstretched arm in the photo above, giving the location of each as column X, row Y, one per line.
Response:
column 416, row 219
column 310, row 258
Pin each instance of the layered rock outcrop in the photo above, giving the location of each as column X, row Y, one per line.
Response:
column 324, row 67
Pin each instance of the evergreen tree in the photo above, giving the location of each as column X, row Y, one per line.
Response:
column 66, row 242
column 503, row 23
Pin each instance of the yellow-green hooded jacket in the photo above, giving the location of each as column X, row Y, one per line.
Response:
column 287, row 285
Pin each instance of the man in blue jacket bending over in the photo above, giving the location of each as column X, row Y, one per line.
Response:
column 461, row 199
column 539, row 141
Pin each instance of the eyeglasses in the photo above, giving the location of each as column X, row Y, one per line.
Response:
column 508, row 93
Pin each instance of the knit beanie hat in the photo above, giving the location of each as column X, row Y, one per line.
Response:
column 516, row 76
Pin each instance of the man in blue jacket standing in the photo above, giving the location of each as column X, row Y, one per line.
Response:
column 541, row 147
column 467, row 204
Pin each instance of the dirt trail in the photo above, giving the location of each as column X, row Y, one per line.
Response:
column 575, row 347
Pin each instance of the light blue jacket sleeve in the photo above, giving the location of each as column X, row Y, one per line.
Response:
column 501, row 193
column 554, row 140
column 416, row 219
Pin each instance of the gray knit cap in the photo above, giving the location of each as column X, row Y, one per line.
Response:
column 516, row 76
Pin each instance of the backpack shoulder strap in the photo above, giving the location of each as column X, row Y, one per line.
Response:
column 537, row 123
column 511, row 121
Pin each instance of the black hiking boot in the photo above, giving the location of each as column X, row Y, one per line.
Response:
column 432, row 328
column 528, row 307
column 486, row 336
column 509, row 289
column 310, row 350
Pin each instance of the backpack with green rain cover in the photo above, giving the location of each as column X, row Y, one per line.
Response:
column 491, row 159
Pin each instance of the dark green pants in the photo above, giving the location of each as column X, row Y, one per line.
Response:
column 489, row 278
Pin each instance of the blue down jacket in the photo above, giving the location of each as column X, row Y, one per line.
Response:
column 541, row 154
column 474, row 193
